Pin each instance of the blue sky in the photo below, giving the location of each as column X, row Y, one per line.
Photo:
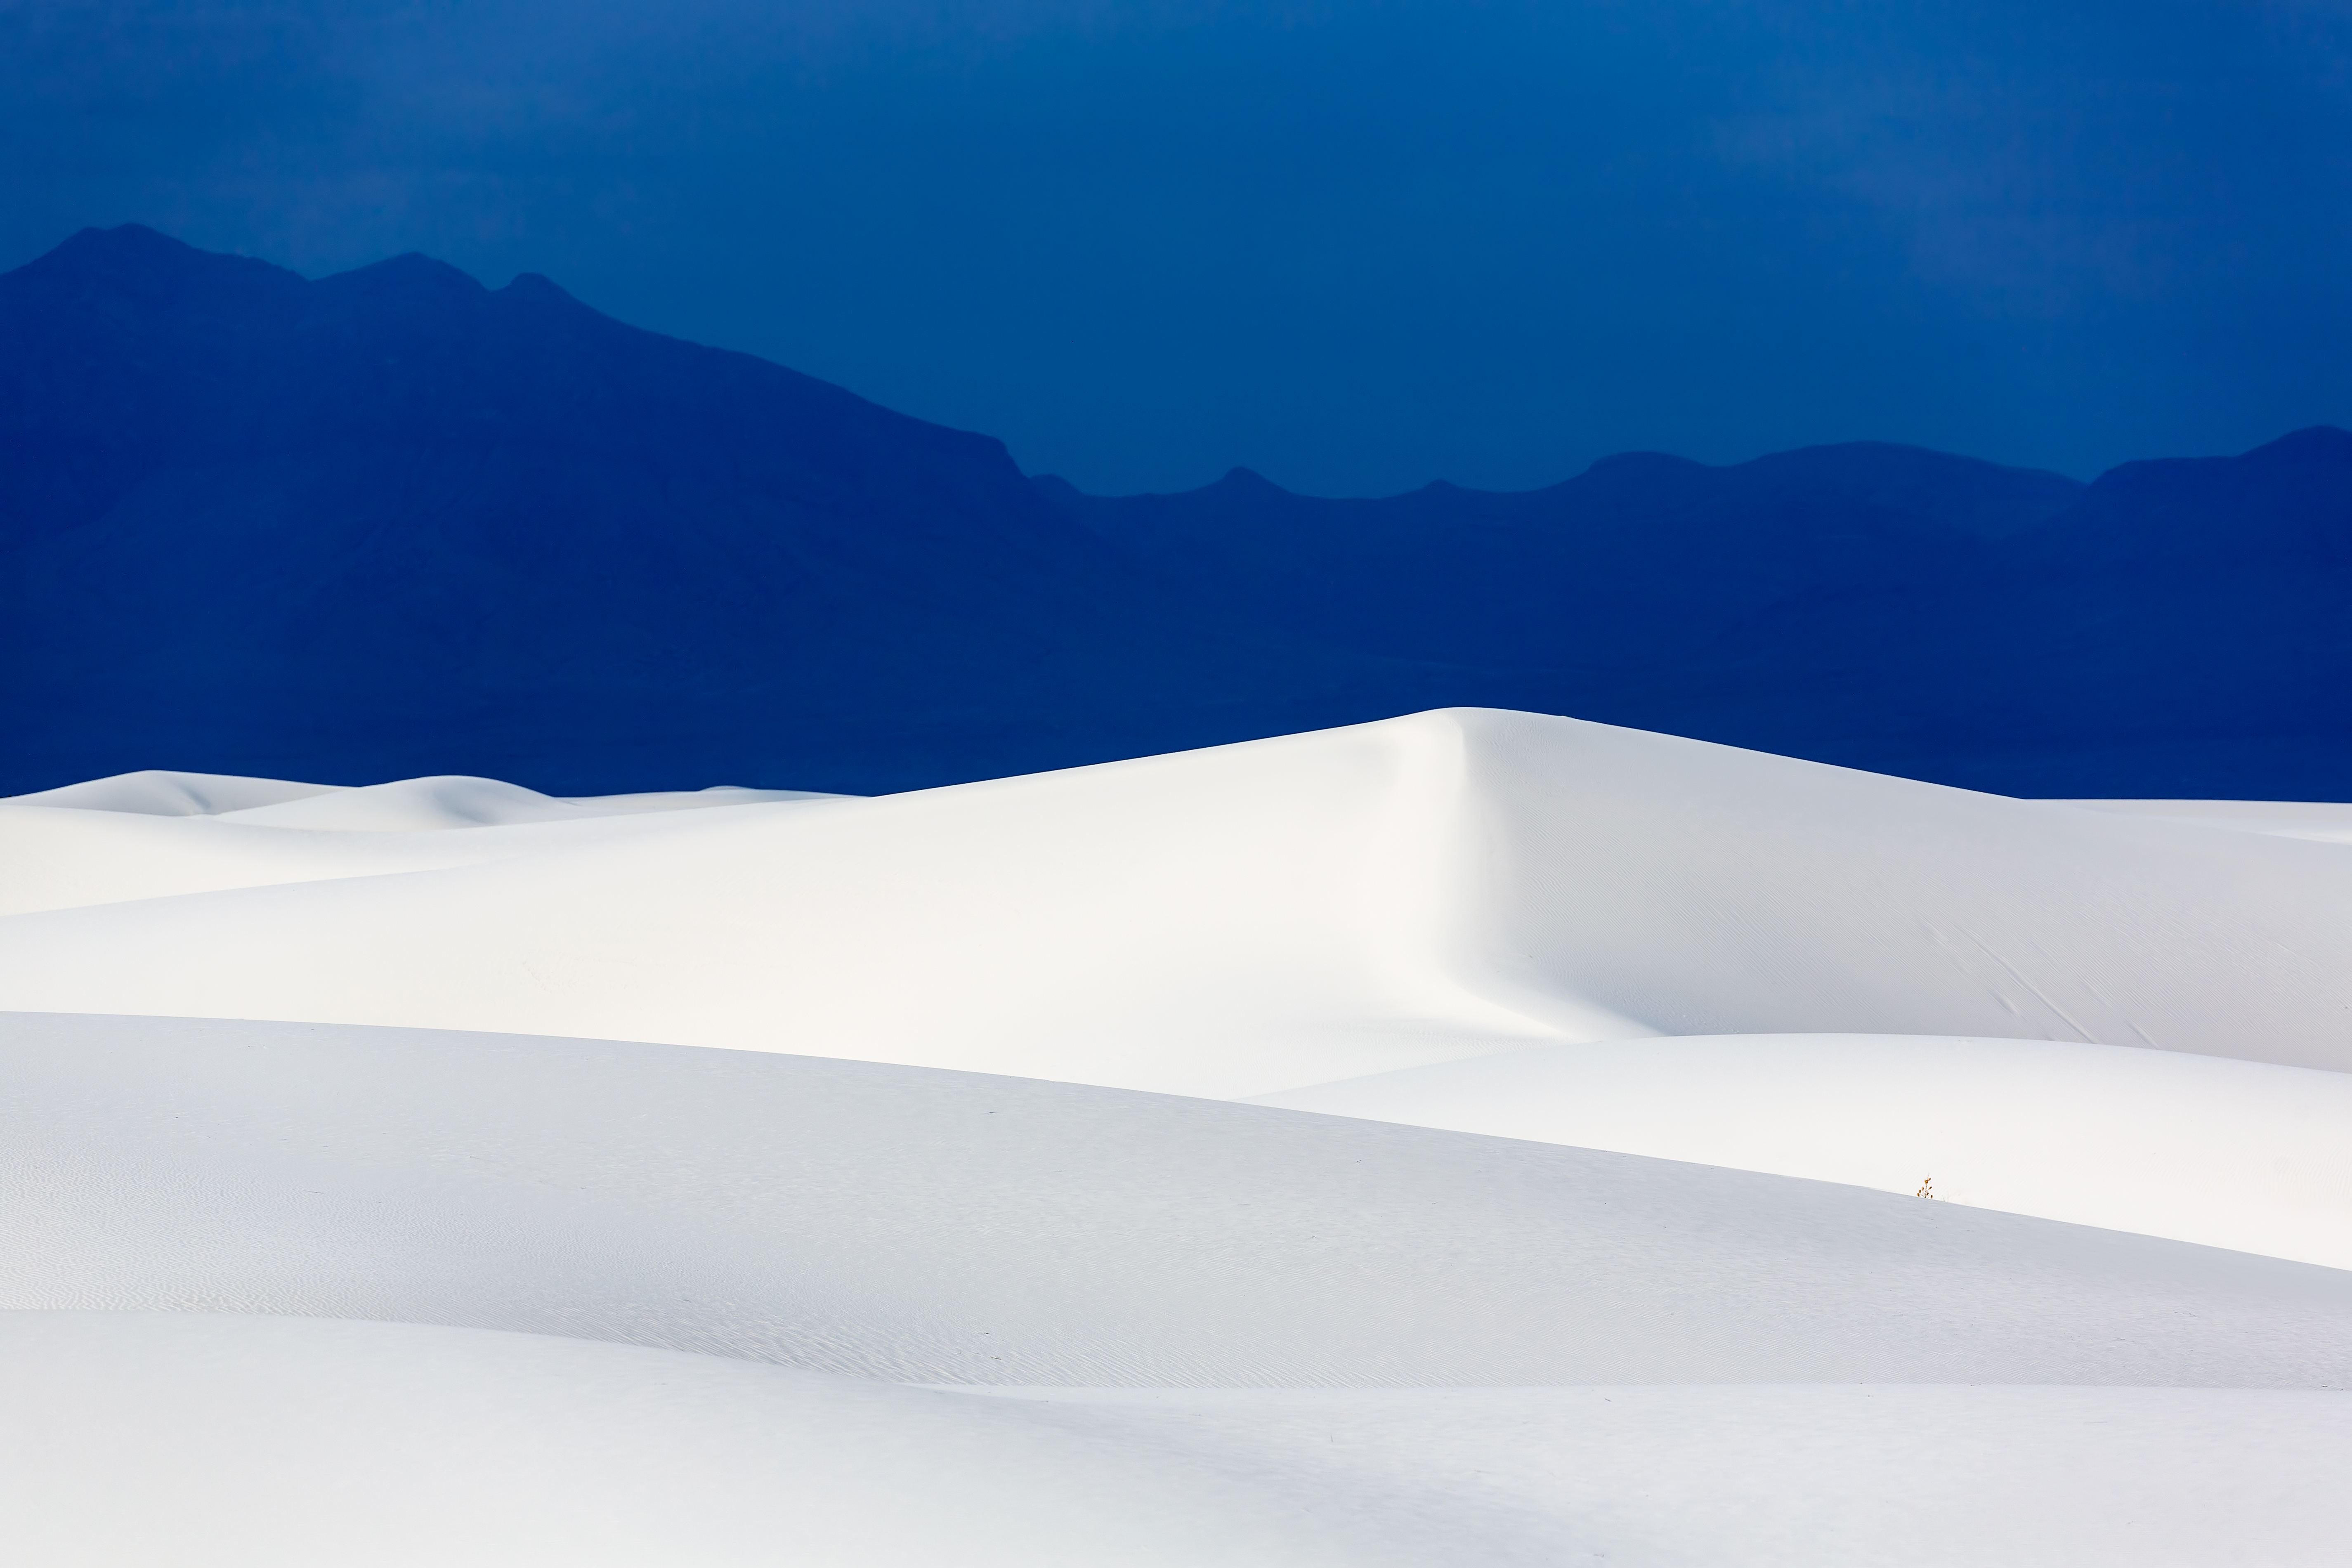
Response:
column 1356, row 246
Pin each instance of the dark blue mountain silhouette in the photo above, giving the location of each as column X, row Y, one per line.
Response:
column 391, row 522
column 2176, row 629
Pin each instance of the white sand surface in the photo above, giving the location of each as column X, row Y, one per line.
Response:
column 448, row 800
column 66, row 857
column 933, row 1226
column 1599, row 1067
column 157, row 792
column 427, row 804
column 1255, row 917
column 1795, row 1477
column 2248, row 1155
column 258, row 1442
column 255, row 1442
column 2325, row 824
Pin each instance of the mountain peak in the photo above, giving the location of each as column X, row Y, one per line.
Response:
column 410, row 273
column 2316, row 442
column 133, row 254
column 125, row 239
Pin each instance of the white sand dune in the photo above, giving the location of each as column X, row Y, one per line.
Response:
column 1554, row 1239
column 63, row 855
column 255, row 1442
column 159, row 792
column 2284, row 818
column 252, row 1442
column 428, row 805
column 1260, row 917
column 941, row 1227
column 2247, row 1155
column 449, row 800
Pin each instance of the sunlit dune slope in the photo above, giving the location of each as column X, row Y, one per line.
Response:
column 914, row 1224
column 2241, row 1154
column 1250, row 918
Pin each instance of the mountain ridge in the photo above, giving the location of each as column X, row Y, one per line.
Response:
column 394, row 522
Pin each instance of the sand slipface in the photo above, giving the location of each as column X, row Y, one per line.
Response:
column 1595, row 1070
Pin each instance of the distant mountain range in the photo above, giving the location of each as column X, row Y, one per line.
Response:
column 391, row 522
